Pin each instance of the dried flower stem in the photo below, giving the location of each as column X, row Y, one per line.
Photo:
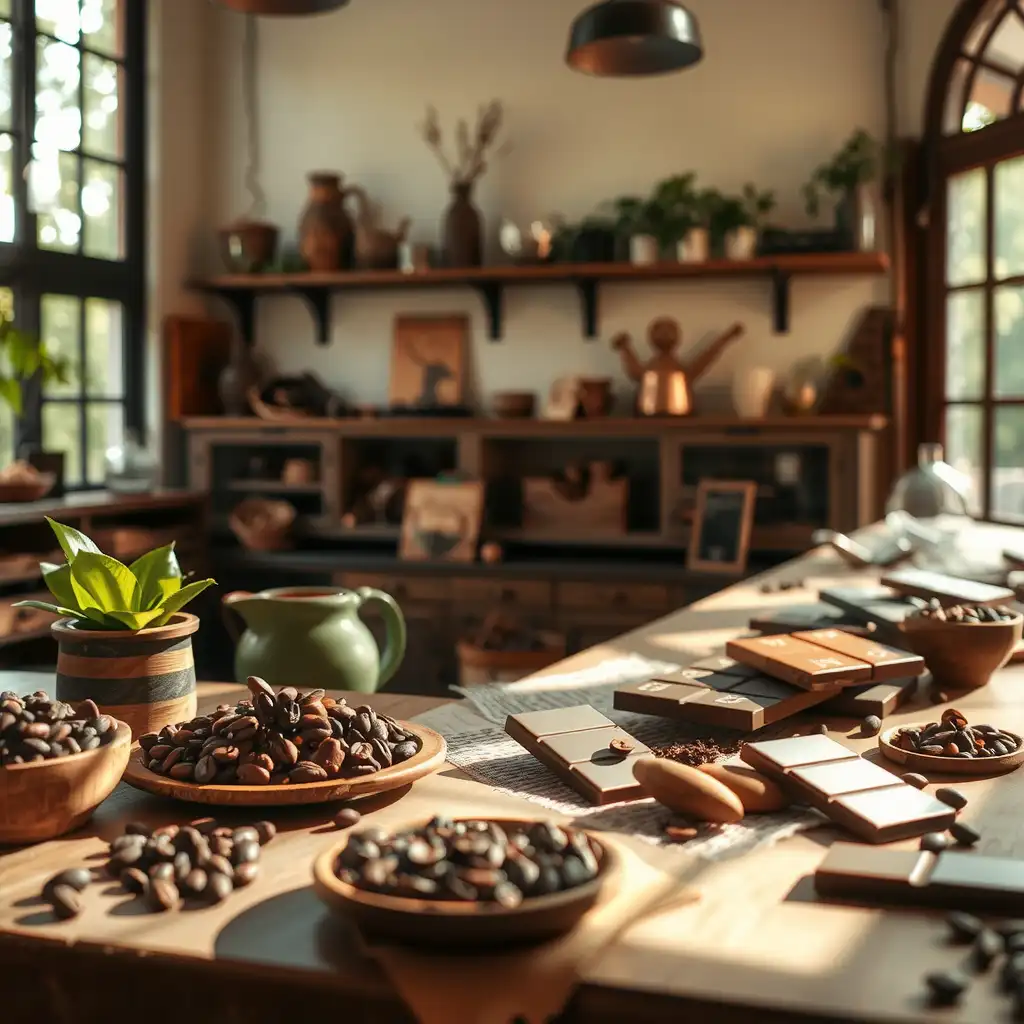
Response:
column 470, row 163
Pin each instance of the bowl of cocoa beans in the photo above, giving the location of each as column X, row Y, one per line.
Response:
column 466, row 882
column 963, row 645
column 58, row 763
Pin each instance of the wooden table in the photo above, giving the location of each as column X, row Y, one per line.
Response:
column 757, row 947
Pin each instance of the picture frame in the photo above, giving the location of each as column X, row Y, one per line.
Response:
column 428, row 361
column 441, row 520
column 722, row 523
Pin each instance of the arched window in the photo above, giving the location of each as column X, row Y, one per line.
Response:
column 973, row 352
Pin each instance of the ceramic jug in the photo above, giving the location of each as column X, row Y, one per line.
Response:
column 312, row 637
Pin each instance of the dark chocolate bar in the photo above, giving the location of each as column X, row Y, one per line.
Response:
column 798, row 662
column 576, row 744
column 949, row 880
column 857, row 794
column 801, row 616
column 731, row 702
column 879, row 607
column 880, row 699
column 947, row 590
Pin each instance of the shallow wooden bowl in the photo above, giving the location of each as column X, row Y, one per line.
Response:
column 428, row 759
column 45, row 799
column 28, row 490
column 440, row 923
column 949, row 765
column 513, row 405
column 963, row 655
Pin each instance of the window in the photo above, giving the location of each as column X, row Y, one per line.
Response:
column 974, row 360
column 72, row 98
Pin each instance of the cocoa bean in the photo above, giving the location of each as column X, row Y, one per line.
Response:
column 65, row 901
column 307, row 771
column 266, row 831
column 163, row 895
column 253, row 775
column 329, row 756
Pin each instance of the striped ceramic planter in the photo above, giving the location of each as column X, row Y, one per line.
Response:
column 147, row 678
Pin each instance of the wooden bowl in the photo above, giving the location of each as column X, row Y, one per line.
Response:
column 441, row 923
column 962, row 655
column 513, row 405
column 45, row 799
column 429, row 758
column 28, row 490
column 915, row 762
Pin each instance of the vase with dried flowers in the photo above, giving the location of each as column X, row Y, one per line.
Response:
column 462, row 228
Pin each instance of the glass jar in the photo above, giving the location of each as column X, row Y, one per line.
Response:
column 130, row 467
column 931, row 489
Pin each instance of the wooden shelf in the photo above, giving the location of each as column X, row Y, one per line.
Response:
column 240, row 291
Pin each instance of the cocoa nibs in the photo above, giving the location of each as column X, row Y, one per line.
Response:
column 695, row 752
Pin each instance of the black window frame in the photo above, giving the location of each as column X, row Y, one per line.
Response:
column 31, row 272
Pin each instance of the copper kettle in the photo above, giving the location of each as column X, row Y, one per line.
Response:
column 665, row 383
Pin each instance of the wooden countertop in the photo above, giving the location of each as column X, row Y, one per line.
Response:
column 757, row 947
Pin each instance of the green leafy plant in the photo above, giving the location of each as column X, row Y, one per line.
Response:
column 636, row 216
column 99, row 592
column 21, row 358
column 857, row 163
column 747, row 210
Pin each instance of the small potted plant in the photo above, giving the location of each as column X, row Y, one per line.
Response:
column 684, row 216
column 738, row 221
column 592, row 240
column 846, row 179
column 123, row 640
column 641, row 222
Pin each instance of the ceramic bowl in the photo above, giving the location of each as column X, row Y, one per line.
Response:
column 510, row 405
column 912, row 761
column 441, row 923
column 963, row 655
column 45, row 799
column 28, row 490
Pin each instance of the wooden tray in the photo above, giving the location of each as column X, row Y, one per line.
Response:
column 443, row 923
column 948, row 765
column 428, row 759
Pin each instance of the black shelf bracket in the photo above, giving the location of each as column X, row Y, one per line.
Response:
column 780, row 301
column 493, row 294
column 319, row 302
column 243, row 302
column 587, row 289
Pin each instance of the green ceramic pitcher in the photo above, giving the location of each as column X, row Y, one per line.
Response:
column 312, row 637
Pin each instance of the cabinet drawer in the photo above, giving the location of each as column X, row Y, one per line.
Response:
column 483, row 595
column 401, row 588
column 617, row 597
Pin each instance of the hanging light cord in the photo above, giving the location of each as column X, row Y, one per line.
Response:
column 250, row 97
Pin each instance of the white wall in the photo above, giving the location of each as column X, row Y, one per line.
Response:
column 782, row 85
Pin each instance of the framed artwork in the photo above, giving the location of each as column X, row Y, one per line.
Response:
column 428, row 361
column 722, row 521
column 442, row 520
column 563, row 397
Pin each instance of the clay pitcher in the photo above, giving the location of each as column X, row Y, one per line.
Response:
column 463, row 229
column 326, row 233
column 312, row 637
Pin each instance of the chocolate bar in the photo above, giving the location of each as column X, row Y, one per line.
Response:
column 880, row 699
column 886, row 662
column 743, row 703
column 798, row 662
column 800, row 616
column 857, row 794
column 951, row 880
column 880, row 606
column 577, row 745
column 948, row 590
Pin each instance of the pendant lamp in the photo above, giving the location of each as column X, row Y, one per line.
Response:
column 283, row 7
column 620, row 38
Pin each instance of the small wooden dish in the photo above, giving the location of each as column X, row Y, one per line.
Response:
column 28, row 490
column 45, row 799
column 913, row 761
column 513, row 405
column 441, row 923
column 428, row 759
column 963, row 655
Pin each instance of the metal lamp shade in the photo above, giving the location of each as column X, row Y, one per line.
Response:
column 621, row 38
column 292, row 8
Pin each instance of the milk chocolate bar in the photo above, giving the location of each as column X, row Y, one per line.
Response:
column 857, row 794
column 798, row 662
column 886, row 662
column 586, row 750
column 951, row 880
column 948, row 590
column 729, row 701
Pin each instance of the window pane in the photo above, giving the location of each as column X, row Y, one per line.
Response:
column 59, row 320
column 1009, row 218
column 58, row 116
column 1007, row 469
column 1008, row 312
column 101, row 25
column 965, row 228
column 102, row 125
column 965, row 345
column 104, row 427
column 964, row 448
column 104, row 349
column 6, row 73
column 101, row 205
column 1006, row 47
column 62, row 432
column 59, row 224
column 59, row 18
column 8, row 217
column 991, row 92
column 5, row 8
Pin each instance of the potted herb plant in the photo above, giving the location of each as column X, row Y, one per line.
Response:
column 641, row 222
column 846, row 179
column 592, row 240
column 123, row 640
column 23, row 357
column 682, row 229
column 738, row 221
